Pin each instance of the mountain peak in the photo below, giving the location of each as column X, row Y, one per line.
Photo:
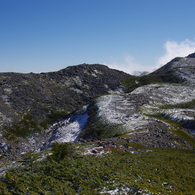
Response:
column 192, row 55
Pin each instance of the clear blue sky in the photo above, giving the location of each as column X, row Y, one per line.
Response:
column 48, row 35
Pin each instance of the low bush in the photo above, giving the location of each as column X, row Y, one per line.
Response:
column 23, row 128
column 60, row 151
column 166, row 77
column 54, row 116
column 158, row 171
column 99, row 128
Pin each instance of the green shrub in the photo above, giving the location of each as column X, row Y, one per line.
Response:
column 23, row 128
column 166, row 77
column 54, row 116
column 159, row 171
column 60, row 151
column 97, row 127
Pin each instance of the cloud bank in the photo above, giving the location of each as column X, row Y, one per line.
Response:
column 172, row 49
column 130, row 66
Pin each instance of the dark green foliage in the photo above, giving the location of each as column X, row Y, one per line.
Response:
column 130, row 84
column 103, row 129
column 167, row 77
column 99, row 128
column 158, row 171
column 54, row 116
column 23, row 128
column 60, row 151
column 44, row 124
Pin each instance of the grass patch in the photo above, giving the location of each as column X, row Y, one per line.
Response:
column 185, row 136
column 185, row 105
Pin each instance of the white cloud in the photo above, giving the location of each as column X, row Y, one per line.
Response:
column 129, row 65
column 174, row 49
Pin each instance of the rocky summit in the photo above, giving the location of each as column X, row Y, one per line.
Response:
column 95, row 103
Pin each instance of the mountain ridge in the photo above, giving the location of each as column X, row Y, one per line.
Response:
column 37, row 110
column 183, row 67
column 30, row 103
column 56, row 88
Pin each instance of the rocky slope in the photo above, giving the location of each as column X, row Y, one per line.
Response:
column 62, row 90
column 157, row 110
column 161, row 114
column 183, row 67
column 30, row 103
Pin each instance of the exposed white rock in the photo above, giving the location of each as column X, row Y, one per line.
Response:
column 68, row 129
column 97, row 72
column 118, row 109
column 77, row 80
column 77, row 90
column 124, row 109
column 170, row 94
column 68, row 82
column 118, row 190
column 180, row 114
column 93, row 74
column 5, row 98
column 7, row 90
column 3, row 118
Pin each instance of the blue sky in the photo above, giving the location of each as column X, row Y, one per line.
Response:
column 49, row 35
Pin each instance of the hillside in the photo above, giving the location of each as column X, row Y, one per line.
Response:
column 114, row 122
column 182, row 67
column 65, row 90
column 31, row 103
column 157, row 110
